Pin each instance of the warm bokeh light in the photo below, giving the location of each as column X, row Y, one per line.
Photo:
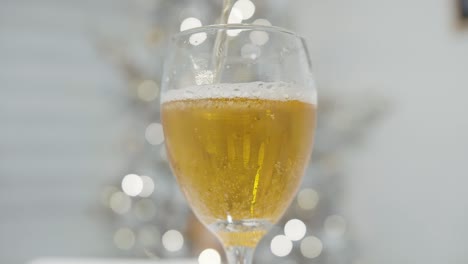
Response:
column 120, row 203
column 148, row 186
column 149, row 236
column 262, row 22
column 132, row 184
column 245, row 7
column 154, row 134
column 281, row 246
column 124, row 238
column 235, row 17
column 311, row 247
column 209, row 256
column 307, row 199
column 145, row 209
column 173, row 240
column 189, row 23
column 258, row 37
column 148, row 90
column 107, row 193
column 198, row 38
column 192, row 22
column 295, row 229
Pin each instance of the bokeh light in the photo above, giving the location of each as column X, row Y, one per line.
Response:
column 307, row 199
column 120, row 203
column 173, row 240
column 124, row 238
column 258, row 37
column 132, row 184
column 250, row 51
column 149, row 236
column 295, row 229
column 262, row 22
column 281, row 246
column 192, row 22
column 197, row 38
column 154, row 134
column 235, row 17
column 145, row 209
column 189, row 23
column 335, row 225
column 148, row 90
column 245, row 7
column 311, row 247
column 107, row 193
column 148, row 186
column 209, row 256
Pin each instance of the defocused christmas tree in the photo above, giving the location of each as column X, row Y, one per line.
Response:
column 145, row 205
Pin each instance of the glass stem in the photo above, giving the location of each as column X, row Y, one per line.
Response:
column 239, row 255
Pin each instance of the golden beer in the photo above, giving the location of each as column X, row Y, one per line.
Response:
column 238, row 158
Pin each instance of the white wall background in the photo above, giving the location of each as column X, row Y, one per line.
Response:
column 406, row 188
column 57, row 110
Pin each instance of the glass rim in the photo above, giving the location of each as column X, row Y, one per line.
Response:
column 234, row 27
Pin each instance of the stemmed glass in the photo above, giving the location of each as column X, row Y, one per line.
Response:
column 238, row 108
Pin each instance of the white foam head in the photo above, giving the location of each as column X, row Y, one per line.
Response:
column 279, row 91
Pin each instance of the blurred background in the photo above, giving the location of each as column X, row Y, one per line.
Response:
column 83, row 172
